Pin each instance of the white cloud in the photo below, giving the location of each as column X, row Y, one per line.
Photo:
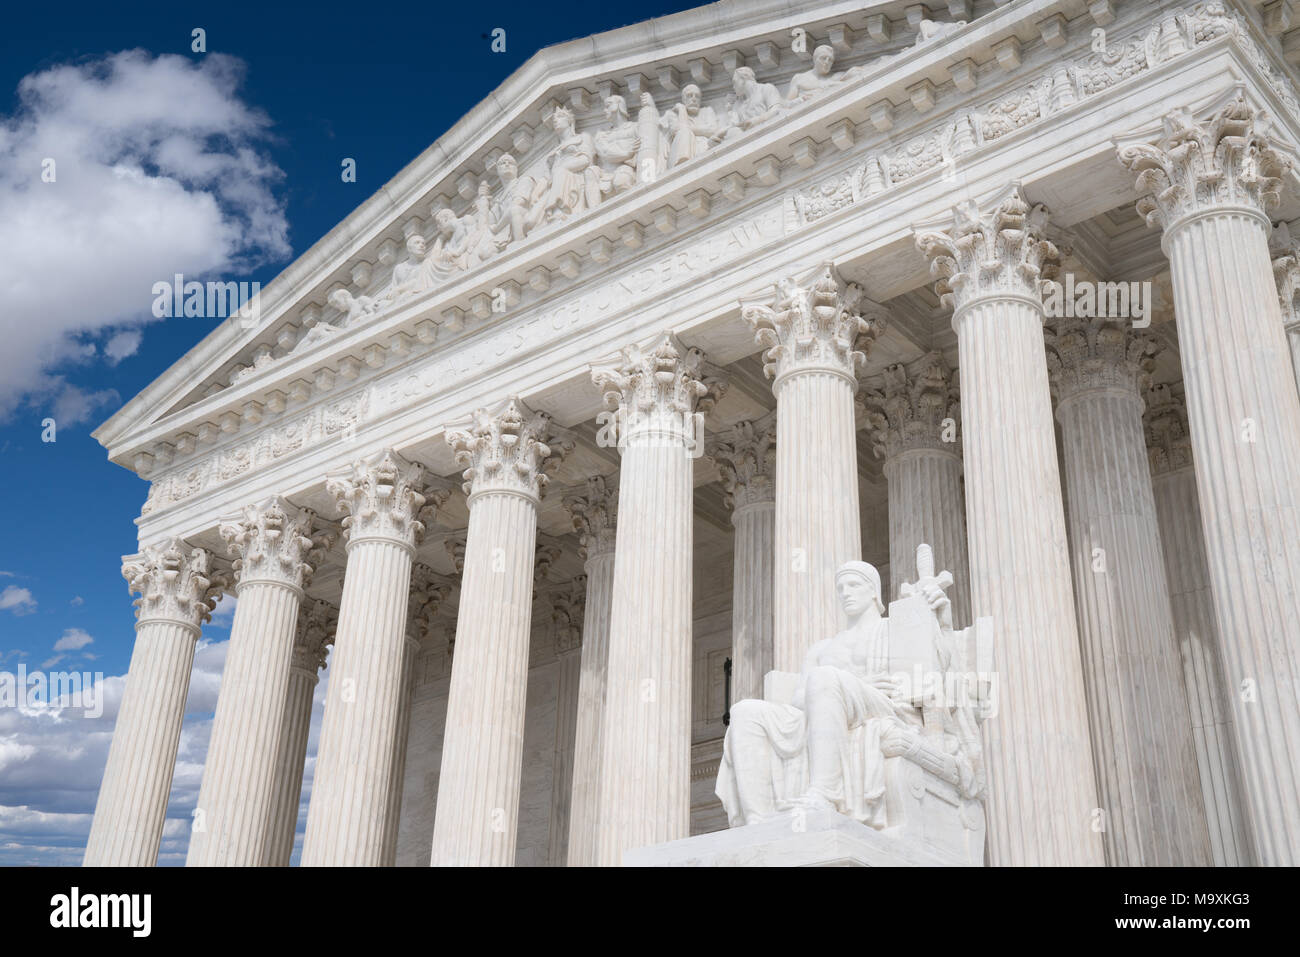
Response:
column 18, row 600
column 158, row 169
column 73, row 638
column 77, row 601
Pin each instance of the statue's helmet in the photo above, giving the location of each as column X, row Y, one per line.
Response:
column 866, row 572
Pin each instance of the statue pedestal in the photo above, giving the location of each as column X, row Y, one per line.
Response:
column 795, row 839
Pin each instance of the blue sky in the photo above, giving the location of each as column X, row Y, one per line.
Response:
column 223, row 164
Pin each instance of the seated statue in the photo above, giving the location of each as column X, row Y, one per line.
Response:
column 751, row 103
column 804, row 86
column 616, row 147
column 873, row 727
column 691, row 128
column 518, row 206
column 352, row 307
column 575, row 177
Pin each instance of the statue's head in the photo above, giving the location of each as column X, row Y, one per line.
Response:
column 340, row 299
column 507, row 167
column 562, row 120
column 691, row 97
column 824, row 59
column 615, row 106
column 858, row 585
column 415, row 245
column 445, row 220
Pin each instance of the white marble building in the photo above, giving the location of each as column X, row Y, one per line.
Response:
column 703, row 308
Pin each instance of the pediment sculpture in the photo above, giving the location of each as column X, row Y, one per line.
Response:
column 882, row 725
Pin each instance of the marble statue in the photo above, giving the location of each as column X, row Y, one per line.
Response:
column 690, row 127
column 884, row 688
column 804, row 86
column 352, row 307
column 518, row 206
column 751, row 103
column 616, row 147
column 575, row 177
column 930, row 30
column 407, row 275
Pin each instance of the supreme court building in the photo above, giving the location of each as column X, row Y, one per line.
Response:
column 558, row 440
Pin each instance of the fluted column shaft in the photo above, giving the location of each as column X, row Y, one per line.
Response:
column 354, row 764
column 567, row 702
column 588, row 736
column 1197, row 632
column 645, row 766
column 817, row 518
column 926, row 507
column 1142, row 746
column 752, row 593
column 292, row 757
column 477, row 819
column 237, row 797
column 1244, row 418
column 398, row 773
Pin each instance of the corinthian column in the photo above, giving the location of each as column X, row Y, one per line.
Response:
column 1041, row 787
column 745, row 456
column 506, row 455
column 566, row 619
column 177, row 591
column 1208, row 184
column 594, row 514
column 913, row 420
column 645, row 773
column 235, row 816
column 815, row 339
column 1141, row 741
column 382, row 499
column 1178, row 513
column 316, row 624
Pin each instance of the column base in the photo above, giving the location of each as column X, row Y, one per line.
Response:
column 822, row 839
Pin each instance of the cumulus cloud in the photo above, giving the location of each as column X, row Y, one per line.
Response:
column 72, row 639
column 17, row 600
column 158, row 167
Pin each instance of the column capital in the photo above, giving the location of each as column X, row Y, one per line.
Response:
column 317, row 622
column 594, row 511
column 1286, row 273
column 1220, row 161
column 998, row 251
column 814, row 323
column 429, row 591
column 382, row 497
column 745, row 457
column 913, row 409
column 1091, row 354
column 508, row 451
column 545, row 552
column 568, row 606
column 275, row 541
column 659, row 389
column 175, row 581
column 1169, row 444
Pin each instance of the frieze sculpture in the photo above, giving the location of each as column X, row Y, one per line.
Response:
column 882, row 724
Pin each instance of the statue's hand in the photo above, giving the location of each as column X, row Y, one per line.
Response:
column 885, row 683
column 933, row 594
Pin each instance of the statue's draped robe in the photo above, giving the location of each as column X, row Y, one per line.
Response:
column 780, row 730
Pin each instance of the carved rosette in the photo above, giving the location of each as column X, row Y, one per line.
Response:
column 1086, row 355
column 382, row 497
column 917, row 411
column 1200, row 165
column 999, row 252
column 429, row 591
column 317, row 622
column 275, row 542
column 1286, row 273
column 568, row 606
column 595, row 515
column 175, row 583
column 510, row 451
column 660, row 392
column 745, row 457
column 815, row 325
column 1169, row 444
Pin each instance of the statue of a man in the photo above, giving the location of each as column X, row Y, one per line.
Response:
column 804, row 86
column 691, row 128
column 407, row 275
column 352, row 307
column 517, row 209
column 575, row 177
column 616, row 147
column 779, row 756
column 751, row 103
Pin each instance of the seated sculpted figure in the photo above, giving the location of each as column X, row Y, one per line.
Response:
column 616, row 147
column 518, row 206
column 856, row 705
column 691, row 128
column 352, row 307
column 751, row 103
column 575, row 177
column 804, row 86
